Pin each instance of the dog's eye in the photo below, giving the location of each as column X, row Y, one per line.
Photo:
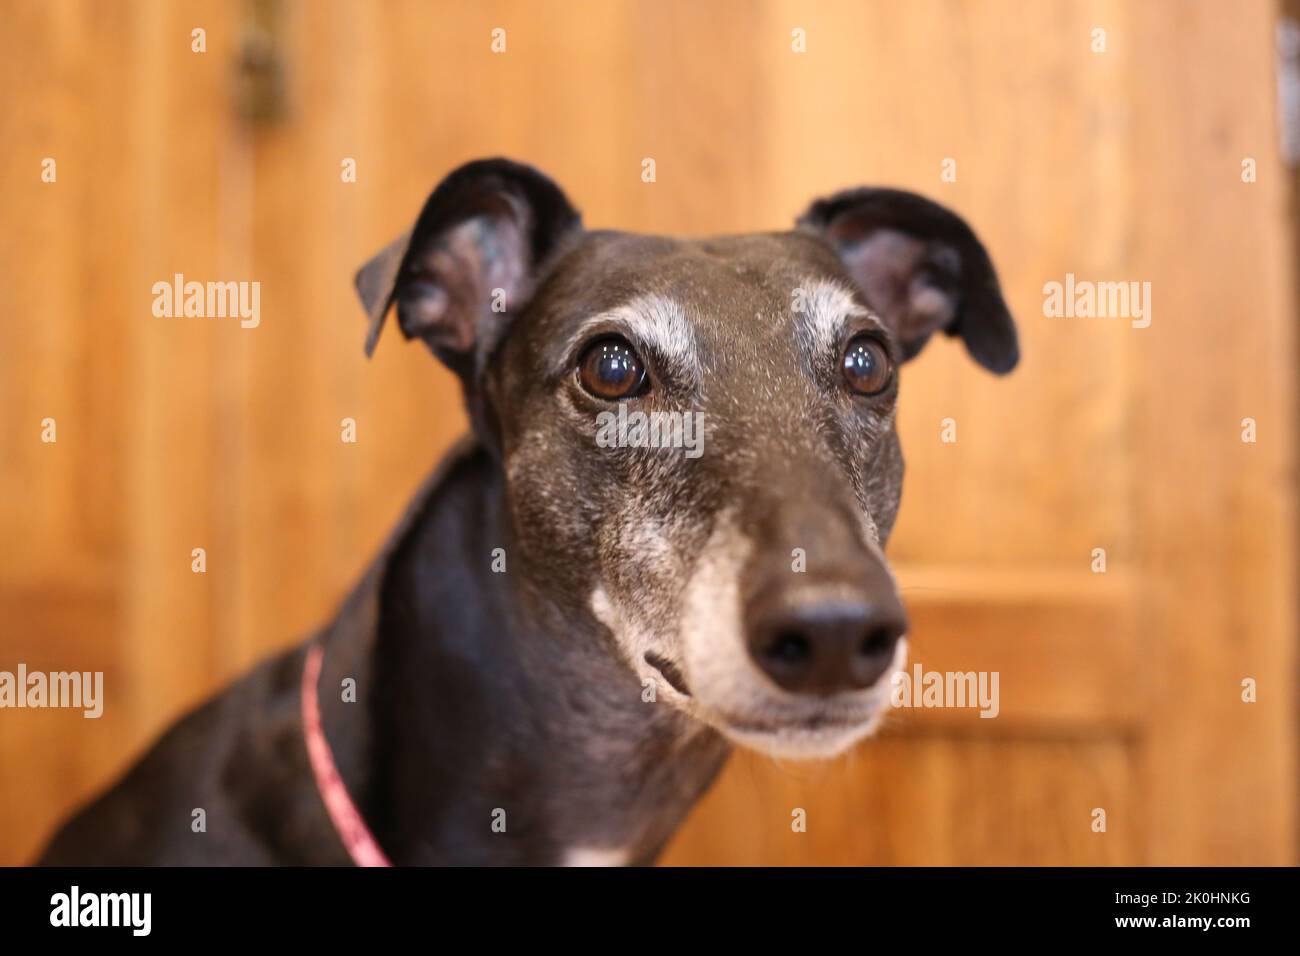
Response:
column 611, row 369
column 866, row 365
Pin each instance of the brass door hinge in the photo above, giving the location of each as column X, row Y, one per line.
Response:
column 263, row 84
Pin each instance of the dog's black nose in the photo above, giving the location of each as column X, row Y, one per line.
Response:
column 824, row 645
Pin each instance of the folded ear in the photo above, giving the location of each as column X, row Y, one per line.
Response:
column 470, row 260
column 921, row 267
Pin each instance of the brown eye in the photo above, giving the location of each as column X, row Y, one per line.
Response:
column 866, row 365
column 611, row 369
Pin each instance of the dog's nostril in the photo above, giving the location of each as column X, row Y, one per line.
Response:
column 823, row 645
column 789, row 647
column 878, row 640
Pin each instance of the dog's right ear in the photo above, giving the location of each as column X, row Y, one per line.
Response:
column 922, row 267
column 469, row 262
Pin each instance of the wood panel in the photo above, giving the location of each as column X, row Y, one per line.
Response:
column 923, row 801
column 1218, row 518
column 1119, row 690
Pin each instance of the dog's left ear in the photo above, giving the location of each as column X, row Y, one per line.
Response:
column 921, row 267
column 469, row 262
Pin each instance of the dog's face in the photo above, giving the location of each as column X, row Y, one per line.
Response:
column 698, row 436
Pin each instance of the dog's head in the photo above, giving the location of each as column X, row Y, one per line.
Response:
column 698, row 435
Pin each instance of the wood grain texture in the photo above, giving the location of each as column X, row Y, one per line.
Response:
column 1120, row 691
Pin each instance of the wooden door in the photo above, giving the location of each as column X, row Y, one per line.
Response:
column 1119, row 691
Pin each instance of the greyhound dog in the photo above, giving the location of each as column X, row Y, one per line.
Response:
column 553, row 655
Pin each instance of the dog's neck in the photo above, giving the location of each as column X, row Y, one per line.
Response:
column 499, row 725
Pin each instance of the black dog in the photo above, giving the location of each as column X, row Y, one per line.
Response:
column 664, row 536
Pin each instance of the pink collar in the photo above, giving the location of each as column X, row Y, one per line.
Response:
column 352, row 830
